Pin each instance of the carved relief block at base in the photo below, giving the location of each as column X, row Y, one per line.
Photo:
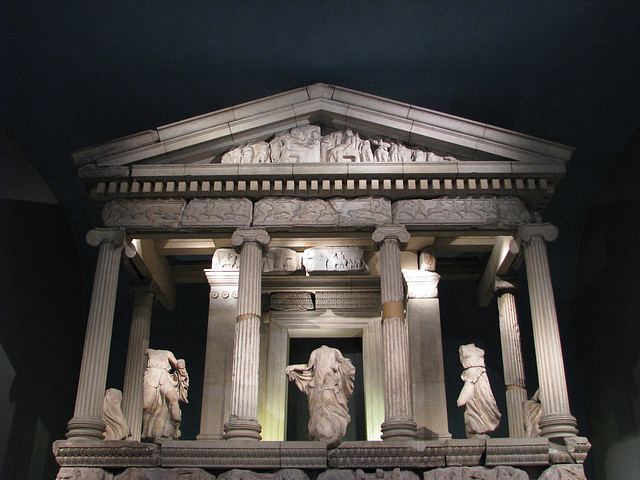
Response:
column 473, row 473
column 106, row 454
column 291, row 301
column 303, row 455
column 362, row 211
column 293, row 212
column 348, row 300
column 164, row 474
column 517, row 451
column 143, row 213
column 563, row 472
column 446, row 211
column 214, row 212
column 281, row 261
column 378, row 455
column 74, row 473
column 288, row 474
column 395, row 474
column 335, row 260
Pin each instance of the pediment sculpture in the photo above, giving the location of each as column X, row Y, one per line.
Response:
column 306, row 144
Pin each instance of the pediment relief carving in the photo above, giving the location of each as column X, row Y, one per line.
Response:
column 306, row 144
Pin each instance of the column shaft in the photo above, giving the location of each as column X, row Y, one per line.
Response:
column 87, row 423
column 243, row 414
column 556, row 420
column 512, row 361
column 136, row 358
column 399, row 423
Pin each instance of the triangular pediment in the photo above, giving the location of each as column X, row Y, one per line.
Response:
column 204, row 139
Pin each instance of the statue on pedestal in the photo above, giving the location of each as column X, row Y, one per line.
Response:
column 163, row 390
column 327, row 381
column 481, row 414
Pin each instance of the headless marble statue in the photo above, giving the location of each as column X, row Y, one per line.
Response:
column 328, row 382
column 481, row 414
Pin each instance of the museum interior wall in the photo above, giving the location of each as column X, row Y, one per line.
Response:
column 607, row 309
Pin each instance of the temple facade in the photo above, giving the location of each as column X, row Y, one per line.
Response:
column 323, row 213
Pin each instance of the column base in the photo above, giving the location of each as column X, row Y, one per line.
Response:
column 85, row 428
column 242, row 429
column 398, row 429
column 558, row 425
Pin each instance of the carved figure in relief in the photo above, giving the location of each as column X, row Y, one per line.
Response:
column 298, row 145
column 532, row 413
column 116, row 426
column 163, row 389
column 481, row 414
column 382, row 152
column 327, row 380
column 418, row 156
column 225, row 259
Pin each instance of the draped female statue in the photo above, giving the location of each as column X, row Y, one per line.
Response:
column 327, row 380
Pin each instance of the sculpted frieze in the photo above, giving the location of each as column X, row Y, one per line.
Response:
column 225, row 259
column 289, row 211
column 362, row 211
column 512, row 211
column 446, row 211
column 281, row 261
column 143, row 213
column 306, row 144
column 341, row 260
column 213, row 212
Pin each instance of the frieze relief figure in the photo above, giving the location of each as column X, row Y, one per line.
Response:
column 293, row 212
column 362, row 211
column 327, row 380
column 225, row 259
column 298, row 145
column 116, row 426
column 163, row 390
column 143, row 213
column 347, row 260
column 481, row 414
column 281, row 261
column 218, row 211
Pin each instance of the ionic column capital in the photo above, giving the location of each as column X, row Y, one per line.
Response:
column 501, row 286
column 547, row 231
column 256, row 235
column 396, row 232
column 140, row 286
column 115, row 236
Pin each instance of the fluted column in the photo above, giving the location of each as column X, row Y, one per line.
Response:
column 556, row 420
column 86, row 423
column 143, row 294
column 398, row 423
column 511, row 356
column 243, row 414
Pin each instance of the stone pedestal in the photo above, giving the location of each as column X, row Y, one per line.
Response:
column 86, row 423
column 216, row 395
column 399, row 423
column 243, row 414
column 511, row 356
column 556, row 420
column 143, row 294
column 427, row 368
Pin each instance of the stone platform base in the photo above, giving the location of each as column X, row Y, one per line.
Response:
column 488, row 459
